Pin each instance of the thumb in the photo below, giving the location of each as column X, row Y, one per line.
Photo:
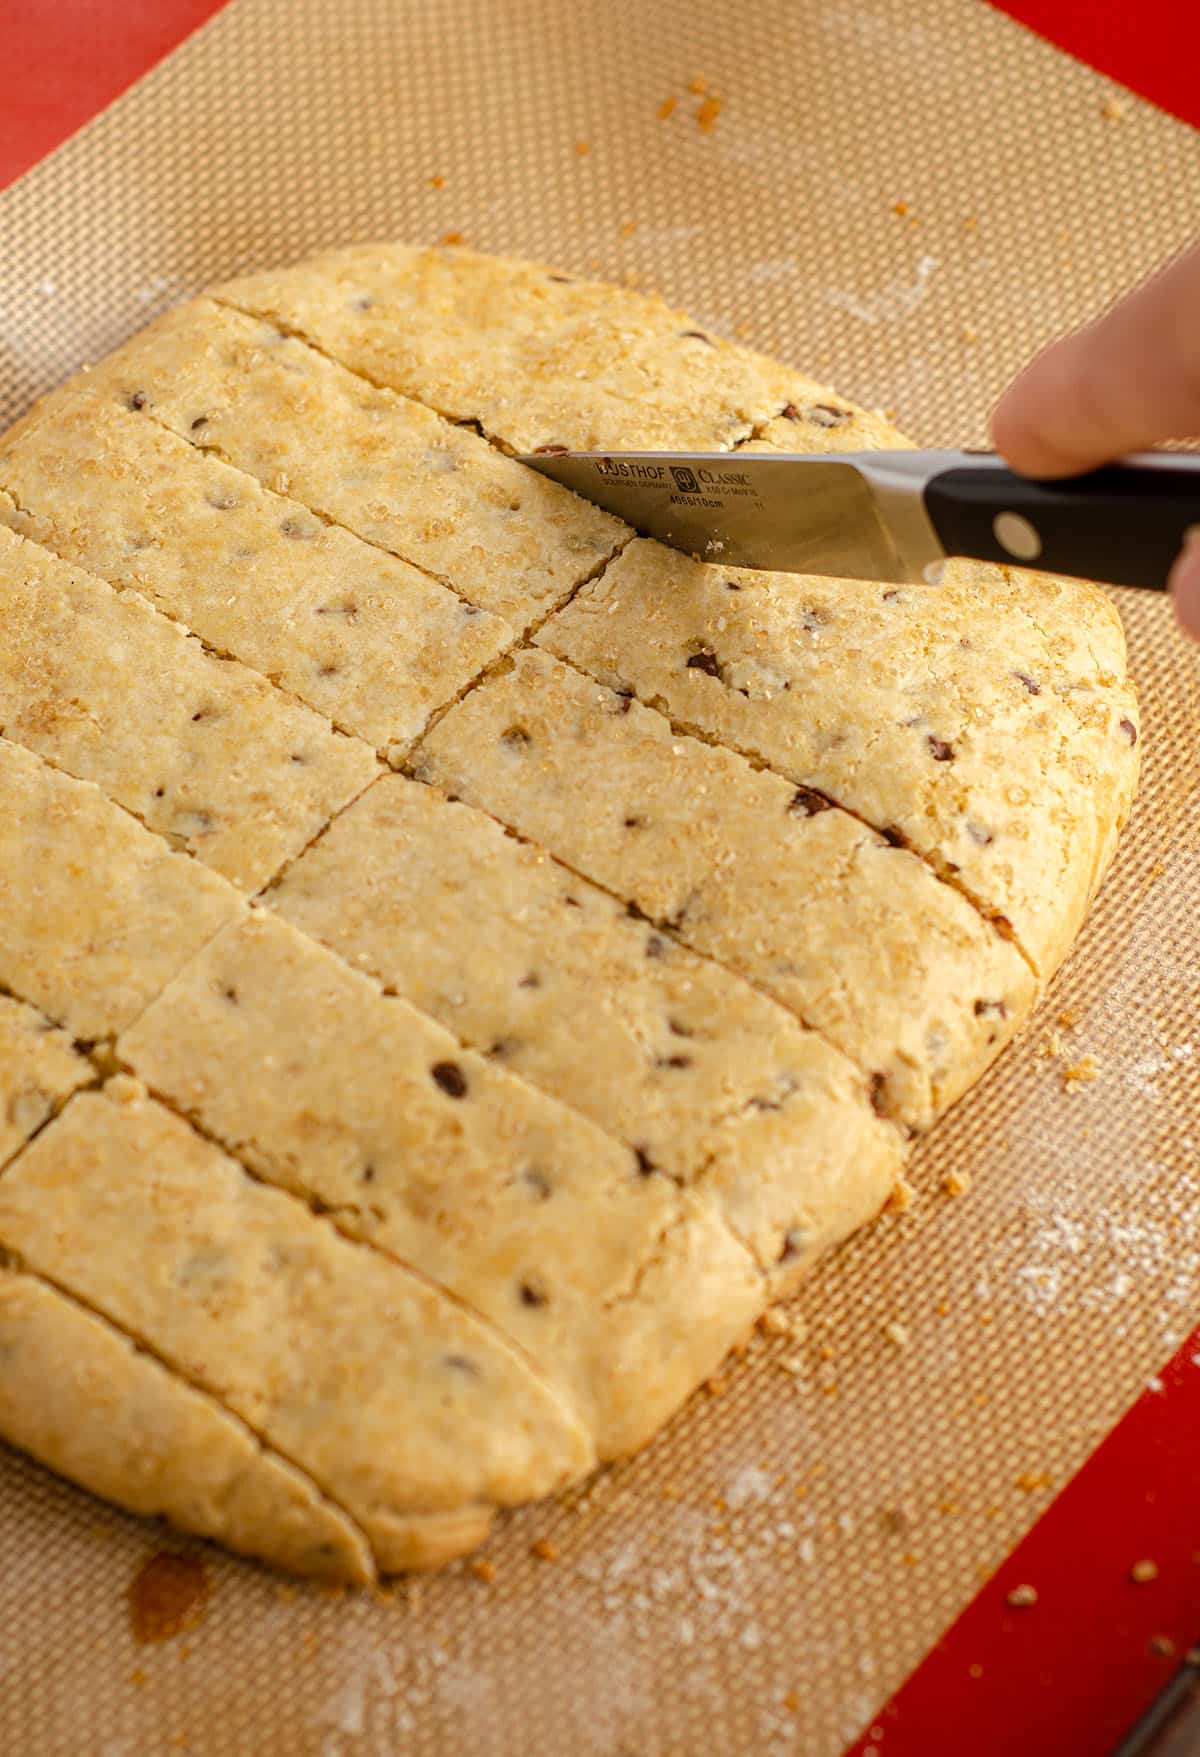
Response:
column 1185, row 588
column 1126, row 382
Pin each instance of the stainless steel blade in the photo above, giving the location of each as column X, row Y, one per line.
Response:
column 854, row 515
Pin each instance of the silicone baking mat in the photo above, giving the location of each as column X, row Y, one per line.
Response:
column 905, row 196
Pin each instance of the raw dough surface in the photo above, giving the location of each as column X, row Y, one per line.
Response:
column 467, row 1115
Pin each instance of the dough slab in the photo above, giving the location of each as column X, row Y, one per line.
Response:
column 459, row 962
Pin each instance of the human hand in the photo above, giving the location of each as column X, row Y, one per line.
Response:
column 1124, row 383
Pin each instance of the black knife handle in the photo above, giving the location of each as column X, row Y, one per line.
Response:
column 1125, row 524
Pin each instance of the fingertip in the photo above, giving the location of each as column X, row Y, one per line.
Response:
column 1023, row 424
column 1185, row 590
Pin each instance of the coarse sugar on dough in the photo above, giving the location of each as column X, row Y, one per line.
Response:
column 96, row 912
column 268, row 1309
column 517, row 1205
column 537, row 357
column 77, row 1394
column 39, row 1069
column 856, row 936
column 711, row 1082
column 202, row 750
column 394, row 472
column 361, row 636
column 986, row 719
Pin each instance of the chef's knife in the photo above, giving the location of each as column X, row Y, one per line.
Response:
column 894, row 515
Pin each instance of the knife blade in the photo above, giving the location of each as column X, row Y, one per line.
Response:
column 894, row 515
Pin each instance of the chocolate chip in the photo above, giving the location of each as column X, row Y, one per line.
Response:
column 539, row 1184
column 503, row 1046
column 697, row 335
column 827, row 415
column 893, row 837
column 794, row 1241
column 632, row 823
column 475, row 425
column 231, row 995
column 678, row 1030
column 560, row 280
column 732, row 586
column 877, row 1092
column 364, row 302
column 978, row 834
column 791, row 412
column 645, row 1164
column 998, row 1008
column 531, row 1295
column 367, row 1174
column 634, row 913
column 673, row 1061
column 138, row 400
column 1030, row 683
column 625, row 698
column 458, row 1363
column 573, row 902
column 1130, row 731
column 296, row 528
column 807, row 802
column 533, row 980
column 298, row 756
column 550, row 450
column 890, row 596
column 1004, row 927
column 201, row 714
column 199, row 422
column 706, row 662
column 515, row 737
column 450, row 1077
column 942, row 752
column 655, row 946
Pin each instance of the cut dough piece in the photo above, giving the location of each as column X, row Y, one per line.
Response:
column 986, row 719
column 96, row 913
column 204, row 751
column 39, row 1068
column 520, row 1208
column 361, row 636
column 80, row 1397
column 535, row 356
column 391, row 1397
column 828, row 423
column 397, row 474
column 712, row 1083
column 857, row 937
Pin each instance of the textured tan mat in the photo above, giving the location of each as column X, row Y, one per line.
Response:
column 904, row 196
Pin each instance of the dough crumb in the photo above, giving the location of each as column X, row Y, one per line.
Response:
column 1069, row 1018
column 1144, row 1571
column 125, row 1089
column 1112, row 110
column 666, row 109
column 1021, row 1597
column 1031, row 1480
column 902, row 1197
column 957, row 1183
column 544, row 1550
column 1162, row 1645
column 484, row 1570
column 776, row 1322
column 1081, row 1073
column 896, row 1333
column 707, row 113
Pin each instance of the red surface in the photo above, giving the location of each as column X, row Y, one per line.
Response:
column 1067, row 1676
column 63, row 60
column 1152, row 46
